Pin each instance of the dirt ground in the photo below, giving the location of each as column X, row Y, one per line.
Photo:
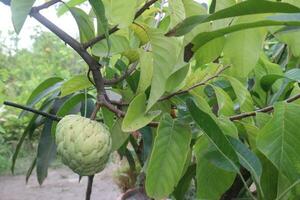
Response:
column 61, row 184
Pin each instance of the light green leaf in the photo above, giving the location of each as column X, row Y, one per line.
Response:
column 120, row 12
column 242, row 94
column 140, row 32
column 176, row 81
column 65, row 6
column 146, row 67
column 242, row 50
column 165, row 56
column 19, row 10
column 225, row 103
column 84, row 23
column 210, row 51
column 170, row 149
column 136, row 116
column 75, row 84
column 279, row 140
column 177, row 11
column 240, row 9
column 118, row 137
column 119, row 44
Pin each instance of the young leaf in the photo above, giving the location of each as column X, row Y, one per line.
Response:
column 279, row 140
column 136, row 116
column 168, row 156
column 225, row 103
column 19, row 10
column 75, row 84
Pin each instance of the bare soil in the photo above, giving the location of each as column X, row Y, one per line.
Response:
column 61, row 184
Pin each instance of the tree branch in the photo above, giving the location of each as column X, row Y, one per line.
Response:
column 123, row 76
column 263, row 110
column 89, row 187
column 46, row 5
column 115, row 28
column 49, row 116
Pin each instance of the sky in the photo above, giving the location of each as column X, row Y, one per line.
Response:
column 65, row 22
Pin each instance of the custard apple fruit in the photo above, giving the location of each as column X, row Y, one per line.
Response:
column 84, row 145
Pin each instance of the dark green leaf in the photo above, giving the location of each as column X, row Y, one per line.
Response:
column 240, row 9
column 46, row 152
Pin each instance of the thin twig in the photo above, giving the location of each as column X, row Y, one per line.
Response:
column 49, row 116
column 123, row 76
column 194, row 86
column 115, row 28
column 263, row 110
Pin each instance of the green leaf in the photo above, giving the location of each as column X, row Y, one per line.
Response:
column 177, row 11
column 185, row 182
column 146, row 67
column 165, row 56
column 102, row 22
column 204, row 37
column 46, row 152
column 42, row 90
column 240, row 9
column 242, row 50
column 84, row 23
column 65, row 6
column 168, row 156
column 118, row 137
column 279, row 140
column 248, row 160
column 30, row 169
column 19, row 10
column 242, row 94
column 225, row 103
column 210, row 51
column 208, row 124
column 136, row 116
column 176, row 81
column 212, row 181
column 140, row 32
column 75, row 84
column 119, row 44
column 120, row 12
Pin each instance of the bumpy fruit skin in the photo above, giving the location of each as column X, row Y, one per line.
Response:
column 84, row 145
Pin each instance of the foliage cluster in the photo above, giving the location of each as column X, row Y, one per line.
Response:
column 187, row 92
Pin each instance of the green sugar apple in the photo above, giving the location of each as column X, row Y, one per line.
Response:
column 83, row 144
